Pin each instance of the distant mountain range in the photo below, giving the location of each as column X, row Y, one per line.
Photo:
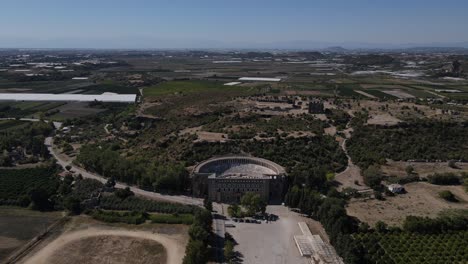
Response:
column 150, row 43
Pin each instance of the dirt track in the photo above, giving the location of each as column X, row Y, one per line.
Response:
column 174, row 250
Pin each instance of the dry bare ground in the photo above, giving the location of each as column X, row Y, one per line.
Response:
column 113, row 246
column 421, row 199
column 395, row 109
column 383, row 119
column 204, row 136
column 331, row 130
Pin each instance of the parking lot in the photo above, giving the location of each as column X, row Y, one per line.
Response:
column 270, row 242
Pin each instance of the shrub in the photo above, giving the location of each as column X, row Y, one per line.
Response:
column 138, row 204
column 444, row 179
column 186, row 219
column 448, row 196
column 134, row 218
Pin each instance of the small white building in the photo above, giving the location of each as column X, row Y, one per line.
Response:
column 396, row 188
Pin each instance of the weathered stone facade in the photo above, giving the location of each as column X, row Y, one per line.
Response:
column 226, row 179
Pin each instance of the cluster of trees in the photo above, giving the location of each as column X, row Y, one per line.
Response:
column 373, row 177
column 447, row 178
column 132, row 203
column 422, row 240
column 186, row 219
column 253, row 204
column 339, row 118
column 29, row 137
column 331, row 212
column 419, row 140
column 197, row 250
column 106, row 160
column 35, row 186
column 229, row 253
column 404, row 247
column 448, row 196
column 307, row 159
column 254, row 124
column 439, row 225
column 133, row 218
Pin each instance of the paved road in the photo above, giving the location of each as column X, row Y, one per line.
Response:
column 147, row 194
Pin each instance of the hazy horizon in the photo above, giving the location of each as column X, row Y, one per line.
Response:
column 212, row 24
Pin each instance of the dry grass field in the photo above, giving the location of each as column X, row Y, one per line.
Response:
column 421, row 199
column 382, row 112
column 109, row 249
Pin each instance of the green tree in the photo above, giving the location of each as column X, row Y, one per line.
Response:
column 253, row 203
column 204, row 219
column 196, row 253
column 124, row 193
column 208, row 204
column 73, row 205
column 229, row 253
column 373, row 177
column 197, row 232
column 381, row 227
column 448, row 196
column 234, row 211
column 40, row 200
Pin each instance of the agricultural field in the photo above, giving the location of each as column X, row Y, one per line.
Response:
column 190, row 87
column 15, row 185
column 375, row 109
column 8, row 125
column 403, row 247
column 18, row 226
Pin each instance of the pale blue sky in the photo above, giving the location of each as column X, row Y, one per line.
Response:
column 230, row 24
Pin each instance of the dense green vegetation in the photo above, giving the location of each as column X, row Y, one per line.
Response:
column 138, row 217
column 420, row 140
column 251, row 202
column 306, row 159
column 190, row 87
column 253, row 124
column 134, row 218
column 422, row 240
column 339, row 118
column 107, row 161
column 28, row 109
column 23, row 141
column 331, row 212
column 402, row 247
column 186, row 219
column 137, row 204
column 444, row 179
column 23, row 186
column 197, row 250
